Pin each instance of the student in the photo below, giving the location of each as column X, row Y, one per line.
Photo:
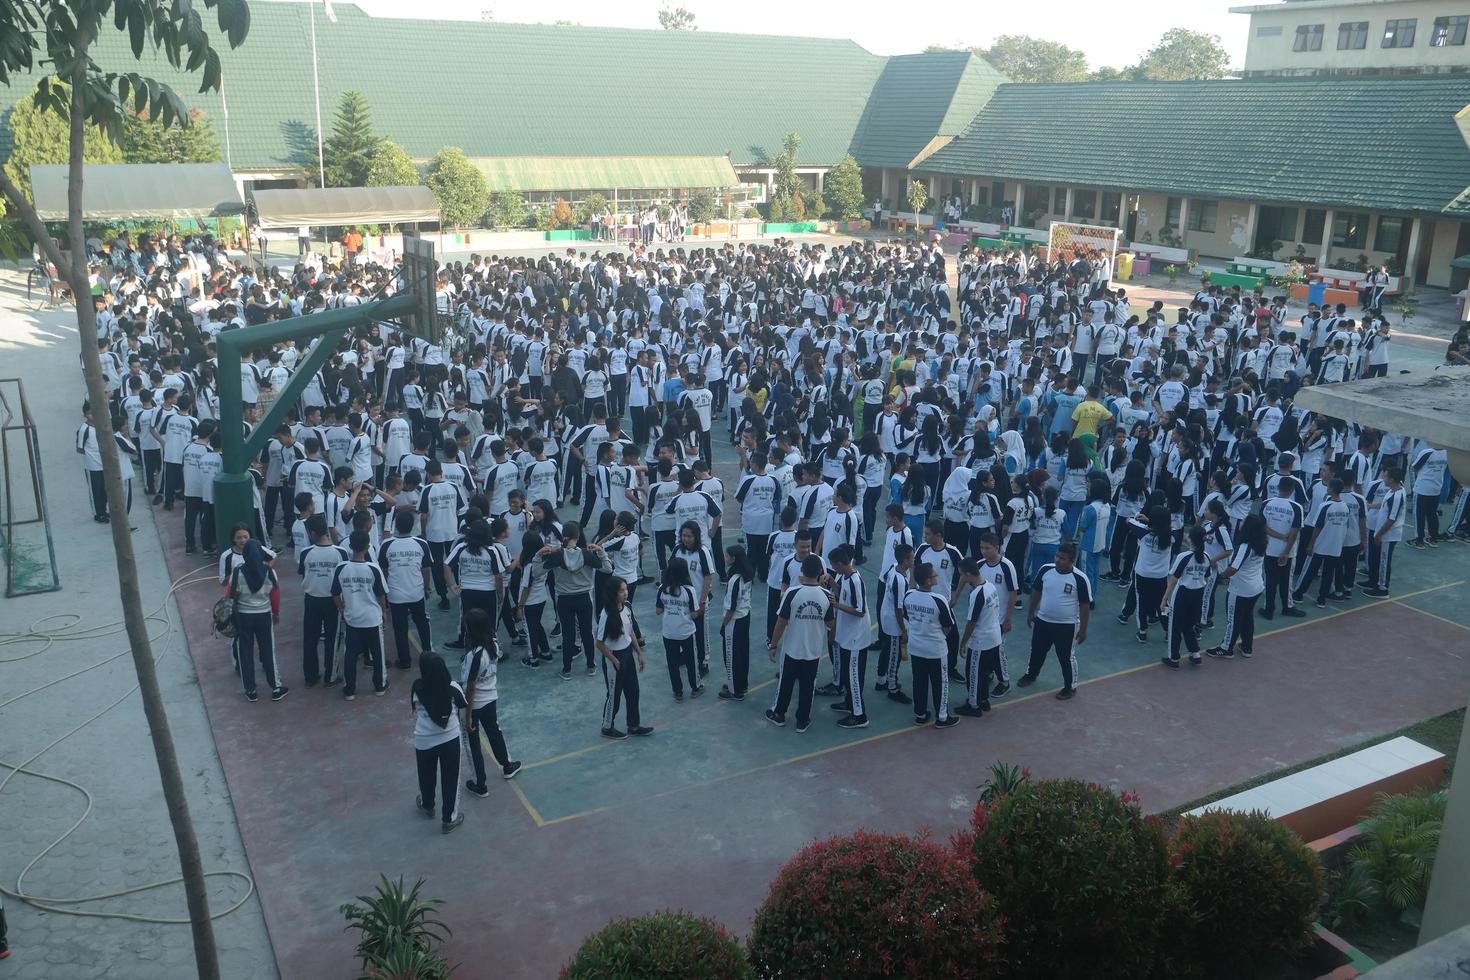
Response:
column 892, row 587
column 532, row 598
column 573, row 567
column 441, row 505
column 982, row 638
column 735, row 628
column 175, row 429
column 843, row 525
column 996, row 569
column 1284, row 517
column 1429, row 469
column 436, row 700
column 480, row 677
column 677, row 606
column 780, row 548
column 759, row 496
column 1244, row 572
column 1329, row 532
column 90, row 450
column 916, row 498
column 406, row 562
column 928, row 623
column 852, row 632
column 1093, row 527
column 194, row 513
column 361, row 593
column 477, row 568
column 696, row 557
column 305, row 508
column 802, row 634
column 1061, row 601
column 1048, row 525
column 1150, row 569
column 257, row 597
column 317, row 566
column 945, row 559
column 617, row 638
column 1386, row 524
column 1183, row 601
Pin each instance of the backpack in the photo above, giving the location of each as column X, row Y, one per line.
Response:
column 224, row 617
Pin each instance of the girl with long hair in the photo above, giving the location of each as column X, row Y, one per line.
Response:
column 480, row 679
column 436, row 700
column 735, row 629
column 1150, row 569
column 677, row 605
column 1017, row 512
column 915, row 497
column 1047, row 528
column 535, row 590
column 1076, row 474
column 622, row 660
column 1189, row 578
column 1244, row 571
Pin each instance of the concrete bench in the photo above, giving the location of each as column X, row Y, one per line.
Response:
column 1325, row 799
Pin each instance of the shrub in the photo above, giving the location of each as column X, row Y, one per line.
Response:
column 662, row 946
column 1004, row 779
column 507, row 210
column 561, row 215
column 396, row 927
column 1079, row 874
column 1251, row 889
column 872, row 905
column 1400, row 840
column 702, row 207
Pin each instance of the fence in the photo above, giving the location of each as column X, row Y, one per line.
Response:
column 24, row 500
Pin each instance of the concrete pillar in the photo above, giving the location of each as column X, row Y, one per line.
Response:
column 1020, row 204
column 820, row 175
column 883, row 187
column 1322, row 257
column 1252, row 222
column 1411, row 257
column 1122, row 210
column 1448, row 905
column 1067, row 215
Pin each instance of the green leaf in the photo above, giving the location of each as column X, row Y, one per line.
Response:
column 137, row 29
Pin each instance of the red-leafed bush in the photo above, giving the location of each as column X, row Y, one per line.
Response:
column 1251, row 890
column 872, row 905
column 1080, row 876
column 661, row 946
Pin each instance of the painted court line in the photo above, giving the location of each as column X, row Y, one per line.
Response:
column 542, row 822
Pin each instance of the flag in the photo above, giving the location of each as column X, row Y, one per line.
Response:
column 327, row 9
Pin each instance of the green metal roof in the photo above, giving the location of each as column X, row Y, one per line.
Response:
column 1382, row 143
column 919, row 97
column 498, row 90
column 601, row 173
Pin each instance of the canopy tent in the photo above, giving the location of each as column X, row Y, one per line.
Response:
column 605, row 173
column 319, row 206
column 136, row 191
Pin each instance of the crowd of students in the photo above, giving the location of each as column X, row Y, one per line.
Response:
column 1009, row 444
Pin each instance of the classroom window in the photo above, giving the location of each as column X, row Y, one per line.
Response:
column 1389, row 236
column 1352, row 36
column 1400, row 33
column 1203, row 216
column 1112, row 203
column 1171, row 212
column 1274, row 31
column 1277, row 224
column 1349, row 229
column 1312, row 227
column 1059, row 201
column 1449, row 31
column 1308, row 37
column 1084, row 204
column 1038, row 197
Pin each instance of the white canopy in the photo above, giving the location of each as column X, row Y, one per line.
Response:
column 136, row 191
column 345, row 206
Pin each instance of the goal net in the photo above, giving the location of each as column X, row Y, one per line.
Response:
column 1067, row 239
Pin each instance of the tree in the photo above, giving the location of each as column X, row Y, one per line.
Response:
column 459, row 187
column 57, row 37
column 843, row 189
column 507, row 210
column 788, row 184
column 702, row 207
column 1183, row 55
column 1023, row 58
column 390, row 166
column 676, row 19
column 917, row 195
column 38, row 136
column 1107, row 74
column 352, row 145
column 146, row 140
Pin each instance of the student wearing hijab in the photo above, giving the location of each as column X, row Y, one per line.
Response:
column 481, row 692
column 257, row 598
column 436, row 700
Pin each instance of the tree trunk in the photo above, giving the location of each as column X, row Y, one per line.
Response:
column 191, row 866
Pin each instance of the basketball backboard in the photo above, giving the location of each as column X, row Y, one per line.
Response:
column 420, row 276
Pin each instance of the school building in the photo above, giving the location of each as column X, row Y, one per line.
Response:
column 1343, row 168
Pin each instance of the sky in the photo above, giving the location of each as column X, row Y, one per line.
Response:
column 1112, row 33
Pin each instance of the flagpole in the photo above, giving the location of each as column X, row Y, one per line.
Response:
column 225, row 105
column 316, row 87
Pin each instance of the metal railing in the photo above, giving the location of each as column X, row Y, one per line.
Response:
column 23, row 485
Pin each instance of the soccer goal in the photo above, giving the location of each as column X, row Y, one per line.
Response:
column 1066, row 239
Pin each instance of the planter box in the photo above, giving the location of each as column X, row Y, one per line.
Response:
column 789, row 228
column 569, row 235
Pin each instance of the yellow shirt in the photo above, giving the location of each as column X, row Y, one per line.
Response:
column 1087, row 416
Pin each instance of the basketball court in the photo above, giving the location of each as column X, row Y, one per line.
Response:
column 703, row 814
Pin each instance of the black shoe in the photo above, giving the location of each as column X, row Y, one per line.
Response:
column 778, row 720
column 591, row 668
column 251, row 696
column 517, row 640
column 1124, row 619
column 530, row 662
column 1267, row 614
column 881, row 687
column 853, row 721
column 279, row 692
column 1321, row 603
column 477, row 789
column 311, row 682
column 801, row 729
column 444, row 602
column 1169, row 662
column 969, row 712
column 555, row 630
column 641, row 730
column 828, row 691
column 509, row 772
column 1142, row 636
column 678, row 695
column 1341, row 597
column 566, row 675
column 1220, row 653
column 1293, row 612
column 985, row 706
column 454, row 645
column 189, row 550
column 1376, row 593
column 348, row 695
column 900, row 697
column 1208, row 624
column 922, row 719
column 840, row 706
column 1001, row 689
column 613, row 733
column 1066, row 694
column 696, row 692
column 704, row 669
column 947, row 722
column 380, row 691
column 956, row 676
column 1026, row 681
column 726, row 695
column 1298, row 598
column 1195, row 660
column 546, row 657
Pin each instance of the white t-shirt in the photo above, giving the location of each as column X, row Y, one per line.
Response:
column 808, row 612
column 1062, row 595
column 986, row 616
column 928, row 616
column 426, row 732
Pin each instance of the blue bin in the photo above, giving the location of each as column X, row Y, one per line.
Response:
column 1316, row 292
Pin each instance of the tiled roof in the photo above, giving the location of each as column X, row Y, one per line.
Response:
column 498, row 89
column 594, row 173
column 919, row 97
column 1384, row 143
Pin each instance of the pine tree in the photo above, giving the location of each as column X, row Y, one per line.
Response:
column 351, row 146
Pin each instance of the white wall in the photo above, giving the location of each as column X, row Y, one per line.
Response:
column 1274, row 53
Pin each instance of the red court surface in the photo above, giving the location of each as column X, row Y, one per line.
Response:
column 701, row 817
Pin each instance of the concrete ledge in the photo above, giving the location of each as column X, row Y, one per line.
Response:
column 1447, row 957
column 1322, row 800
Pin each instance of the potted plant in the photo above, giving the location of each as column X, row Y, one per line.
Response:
column 395, row 927
column 1172, row 271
